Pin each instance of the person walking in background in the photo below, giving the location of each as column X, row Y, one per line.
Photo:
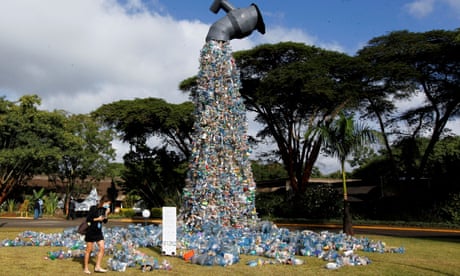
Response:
column 71, row 213
column 96, row 216
column 36, row 209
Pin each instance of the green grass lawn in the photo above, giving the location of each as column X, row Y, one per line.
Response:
column 423, row 256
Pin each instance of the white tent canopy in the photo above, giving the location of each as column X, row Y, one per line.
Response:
column 91, row 200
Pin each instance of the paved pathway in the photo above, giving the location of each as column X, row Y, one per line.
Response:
column 382, row 230
column 61, row 223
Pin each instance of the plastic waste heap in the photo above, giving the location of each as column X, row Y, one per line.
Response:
column 220, row 186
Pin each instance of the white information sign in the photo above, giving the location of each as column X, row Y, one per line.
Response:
column 168, row 246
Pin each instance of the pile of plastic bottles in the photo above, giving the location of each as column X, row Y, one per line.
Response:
column 222, row 246
column 215, row 245
column 220, row 186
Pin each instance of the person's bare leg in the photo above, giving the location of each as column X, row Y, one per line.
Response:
column 89, row 248
column 100, row 255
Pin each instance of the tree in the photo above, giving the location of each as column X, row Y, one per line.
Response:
column 444, row 163
column 85, row 153
column 378, row 104
column 293, row 88
column 415, row 200
column 411, row 65
column 29, row 138
column 156, row 172
column 157, row 175
column 341, row 139
column 114, row 171
column 441, row 168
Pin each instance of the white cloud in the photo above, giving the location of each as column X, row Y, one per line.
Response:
column 424, row 8
column 78, row 55
column 420, row 8
column 277, row 34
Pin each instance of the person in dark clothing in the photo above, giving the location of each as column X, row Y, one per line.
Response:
column 96, row 216
column 71, row 213
column 36, row 209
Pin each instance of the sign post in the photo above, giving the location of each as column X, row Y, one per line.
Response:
column 169, row 232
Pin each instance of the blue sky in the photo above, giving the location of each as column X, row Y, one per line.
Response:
column 79, row 54
column 345, row 23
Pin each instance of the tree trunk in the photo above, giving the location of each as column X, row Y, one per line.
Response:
column 6, row 186
column 347, row 224
column 309, row 163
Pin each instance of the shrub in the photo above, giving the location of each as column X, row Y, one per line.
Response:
column 50, row 202
column 156, row 212
column 318, row 202
column 127, row 212
column 323, row 201
column 268, row 204
column 450, row 209
column 11, row 204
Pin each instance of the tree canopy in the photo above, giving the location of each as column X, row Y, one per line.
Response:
column 34, row 141
column 85, row 154
column 414, row 66
column 293, row 88
column 28, row 138
column 140, row 119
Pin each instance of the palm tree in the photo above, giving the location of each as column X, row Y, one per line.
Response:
column 341, row 139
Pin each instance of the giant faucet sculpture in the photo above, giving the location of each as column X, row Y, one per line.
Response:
column 238, row 23
column 220, row 188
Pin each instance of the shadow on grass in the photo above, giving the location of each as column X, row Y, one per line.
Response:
column 80, row 261
column 423, row 269
column 451, row 239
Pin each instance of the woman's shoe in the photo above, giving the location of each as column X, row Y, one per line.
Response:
column 100, row 270
column 86, row 271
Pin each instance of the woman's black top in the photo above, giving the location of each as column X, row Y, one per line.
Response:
column 94, row 232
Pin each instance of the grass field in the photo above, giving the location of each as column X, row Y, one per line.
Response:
column 423, row 256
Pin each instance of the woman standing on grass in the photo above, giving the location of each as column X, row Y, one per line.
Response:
column 96, row 216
